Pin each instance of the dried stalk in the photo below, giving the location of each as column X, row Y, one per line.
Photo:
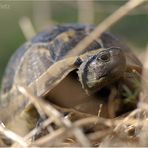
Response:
column 144, row 94
column 27, row 27
column 50, row 111
column 50, row 138
column 85, row 11
column 80, row 123
column 13, row 136
column 43, row 125
column 103, row 26
column 42, row 14
column 126, row 119
column 99, row 135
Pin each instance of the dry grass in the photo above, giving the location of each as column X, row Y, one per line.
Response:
column 55, row 129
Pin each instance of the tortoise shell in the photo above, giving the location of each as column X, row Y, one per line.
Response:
column 40, row 63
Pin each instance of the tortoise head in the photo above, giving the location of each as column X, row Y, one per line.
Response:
column 102, row 69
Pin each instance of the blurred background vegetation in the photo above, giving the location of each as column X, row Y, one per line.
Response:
column 133, row 29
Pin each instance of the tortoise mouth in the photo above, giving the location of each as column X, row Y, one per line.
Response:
column 98, row 81
column 97, row 84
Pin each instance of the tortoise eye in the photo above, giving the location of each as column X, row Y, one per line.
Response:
column 104, row 56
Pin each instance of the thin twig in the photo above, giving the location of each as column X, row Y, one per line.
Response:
column 99, row 134
column 85, row 11
column 50, row 111
column 58, row 133
column 42, row 14
column 43, row 125
column 111, row 102
column 27, row 27
column 63, row 133
column 94, row 120
column 50, row 138
column 144, row 94
column 103, row 26
column 13, row 136
column 133, row 113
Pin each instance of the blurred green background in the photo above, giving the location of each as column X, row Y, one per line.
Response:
column 133, row 29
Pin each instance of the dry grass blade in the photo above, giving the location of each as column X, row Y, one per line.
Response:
column 85, row 11
column 126, row 119
column 106, row 24
column 97, row 136
column 13, row 136
column 143, row 103
column 43, row 125
column 50, row 138
column 63, row 132
column 33, row 100
column 42, row 18
column 50, row 111
column 144, row 94
column 27, row 27
column 59, row 135
column 94, row 120
column 111, row 103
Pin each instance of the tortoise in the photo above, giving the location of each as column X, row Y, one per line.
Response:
column 43, row 66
